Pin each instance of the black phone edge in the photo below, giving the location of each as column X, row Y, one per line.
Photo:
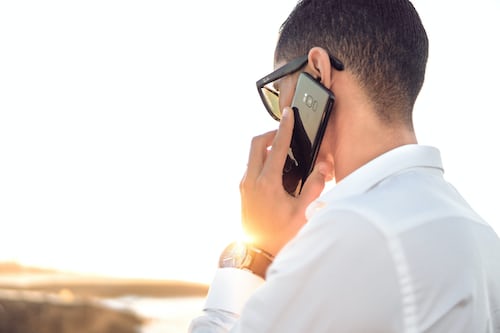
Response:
column 319, row 137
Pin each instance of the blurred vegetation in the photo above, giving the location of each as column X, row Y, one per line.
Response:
column 22, row 316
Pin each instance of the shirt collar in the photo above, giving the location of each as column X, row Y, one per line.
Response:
column 373, row 172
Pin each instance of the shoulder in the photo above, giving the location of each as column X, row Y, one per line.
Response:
column 342, row 268
column 341, row 237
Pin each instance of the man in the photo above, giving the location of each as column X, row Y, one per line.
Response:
column 392, row 247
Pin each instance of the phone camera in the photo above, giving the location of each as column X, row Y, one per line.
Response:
column 310, row 102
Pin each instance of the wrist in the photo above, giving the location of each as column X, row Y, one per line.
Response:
column 246, row 256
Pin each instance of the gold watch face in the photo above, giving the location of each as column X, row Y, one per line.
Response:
column 233, row 256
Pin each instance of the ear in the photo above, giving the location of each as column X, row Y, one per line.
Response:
column 320, row 66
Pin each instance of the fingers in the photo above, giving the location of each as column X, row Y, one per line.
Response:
column 316, row 181
column 265, row 163
column 258, row 154
column 280, row 146
column 269, row 214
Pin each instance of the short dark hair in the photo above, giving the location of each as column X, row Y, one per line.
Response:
column 382, row 42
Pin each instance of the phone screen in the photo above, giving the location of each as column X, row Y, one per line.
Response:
column 312, row 104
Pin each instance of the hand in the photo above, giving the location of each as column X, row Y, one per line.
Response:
column 271, row 216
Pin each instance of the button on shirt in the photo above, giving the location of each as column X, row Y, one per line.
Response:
column 393, row 247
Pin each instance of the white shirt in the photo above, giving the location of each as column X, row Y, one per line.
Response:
column 392, row 247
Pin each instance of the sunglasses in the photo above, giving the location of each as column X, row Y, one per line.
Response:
column 270, row 96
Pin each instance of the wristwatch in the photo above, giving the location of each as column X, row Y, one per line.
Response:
column 245, row 256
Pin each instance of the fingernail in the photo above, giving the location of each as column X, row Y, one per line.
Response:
column 285, row 112
column 324, row 170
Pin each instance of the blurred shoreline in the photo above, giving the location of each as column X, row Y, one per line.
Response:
column 33, row 299
column 17, row 277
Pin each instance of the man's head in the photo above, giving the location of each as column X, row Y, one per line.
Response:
column 381, row 42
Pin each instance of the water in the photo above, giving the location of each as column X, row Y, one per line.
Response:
column 167, row 315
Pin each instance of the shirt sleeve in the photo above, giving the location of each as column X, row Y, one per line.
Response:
column 229, row 291
column 213, row 321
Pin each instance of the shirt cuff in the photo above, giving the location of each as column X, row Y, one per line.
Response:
column 231, row 288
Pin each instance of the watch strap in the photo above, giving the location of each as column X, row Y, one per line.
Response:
column 245, row 256
column 259, row 261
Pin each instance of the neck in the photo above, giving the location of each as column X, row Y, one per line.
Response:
column 361, row 135
column 356, row 134
column 356, row 150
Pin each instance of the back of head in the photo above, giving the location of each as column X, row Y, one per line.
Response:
column 381, row 42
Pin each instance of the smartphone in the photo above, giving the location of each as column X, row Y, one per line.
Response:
column 312, row 104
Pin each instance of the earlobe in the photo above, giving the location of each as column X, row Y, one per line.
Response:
column 319, row 63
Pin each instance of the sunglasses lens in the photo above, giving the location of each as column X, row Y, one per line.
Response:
column 271, row 100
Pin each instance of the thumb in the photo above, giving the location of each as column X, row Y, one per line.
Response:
column 316, row 181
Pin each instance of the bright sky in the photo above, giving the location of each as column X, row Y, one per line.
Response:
column 125, row 125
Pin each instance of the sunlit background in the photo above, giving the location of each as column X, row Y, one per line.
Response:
column 125, row 125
